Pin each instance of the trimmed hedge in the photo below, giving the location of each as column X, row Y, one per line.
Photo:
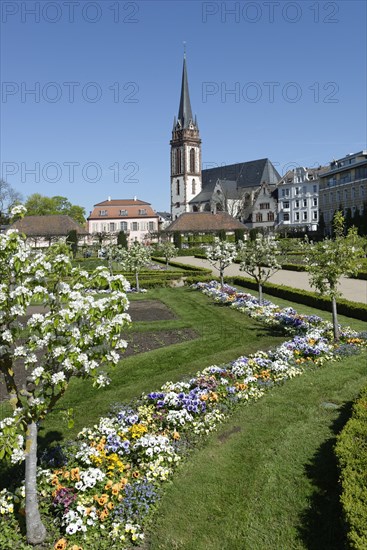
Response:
column 345, row 307
column 351, row 452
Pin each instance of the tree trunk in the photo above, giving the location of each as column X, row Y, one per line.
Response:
column 221, row 274
column 335, row 320
column 260, row 294
column 36, row 532
column 137, row 282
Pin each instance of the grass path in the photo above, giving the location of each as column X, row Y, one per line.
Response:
column 267, row 480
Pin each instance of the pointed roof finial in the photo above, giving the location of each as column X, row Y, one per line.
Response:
column 185, row 112
column 184, row 47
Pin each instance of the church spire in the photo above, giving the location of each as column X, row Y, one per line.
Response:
column 185, row 112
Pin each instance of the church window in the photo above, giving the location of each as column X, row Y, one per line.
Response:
column 192, row 160
column 270, row 216
column 259, row 217
column 177, row 187
column 193, row 187
column 178, row 161
column 264, row 206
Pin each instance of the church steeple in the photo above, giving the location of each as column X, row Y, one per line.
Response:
column 185, row 153
column 185, row 112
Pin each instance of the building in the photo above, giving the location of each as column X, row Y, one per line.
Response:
column 344, row 186
column 185, row 153
column 133, row 216
column 298, row 199
column 42, row 231
column 233, row 188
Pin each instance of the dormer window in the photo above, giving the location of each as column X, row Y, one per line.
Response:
column 103, row 212
column 123, row 212
column 142, row 212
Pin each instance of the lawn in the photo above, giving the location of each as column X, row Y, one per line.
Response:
column 267, row 478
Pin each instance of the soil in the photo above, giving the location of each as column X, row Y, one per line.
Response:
column 138, row 342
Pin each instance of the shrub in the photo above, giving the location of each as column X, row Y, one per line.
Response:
column 351, row 452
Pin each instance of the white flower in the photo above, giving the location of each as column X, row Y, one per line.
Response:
column 58, row 377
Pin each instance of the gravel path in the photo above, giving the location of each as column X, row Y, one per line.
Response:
column 351, row 289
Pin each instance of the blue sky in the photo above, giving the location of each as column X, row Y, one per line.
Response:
column 107, row 77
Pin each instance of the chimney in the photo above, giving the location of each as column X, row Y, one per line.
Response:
column 109, row 199
column 135, row 198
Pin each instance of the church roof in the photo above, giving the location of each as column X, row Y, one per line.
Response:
column 185, row 112
column 245, row 174
column 229, row 188
column 205, row 222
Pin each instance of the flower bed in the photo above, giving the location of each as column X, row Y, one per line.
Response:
column 103, row 487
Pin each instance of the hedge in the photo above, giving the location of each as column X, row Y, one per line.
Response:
column 345, row 307
column 351, row 453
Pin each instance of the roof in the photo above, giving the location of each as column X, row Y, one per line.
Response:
column 204, row 222
column 113, row 208
column 245, row 174
column 228, row 187
column 121, row 202
column 57, row 225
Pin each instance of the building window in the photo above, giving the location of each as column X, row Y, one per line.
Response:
column 192, row 161
column 264, row 206
column 270, row 216
column 283, row 192
column 338, row 196
column 304, row 216
column 123, row 226
column 135, row 226
column 297, row 204
column 103, row 212
column 112, row 227
column 123, row 212
column 142, row 212
column 314, row 187
column 304, row 203
column 315, row 201
column 177, row 187
column 178, row 205
column 178, row 161
column 286, row 217
column 259, row 217
column 346, row 194
column 285, row 205
column 314, row 216
column 297, row 191
column 193, row 187
column 151, row 226
column 287, row 192
column 296, row 217
column 304, row 189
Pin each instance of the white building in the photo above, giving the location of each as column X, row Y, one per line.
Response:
column 298, row 199
column 134, row 217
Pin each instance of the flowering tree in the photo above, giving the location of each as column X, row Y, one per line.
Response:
column 168, row 250
column 221, row 254
column 259, row 258
column 327, row 261
column 134, row 259
column 77, row 335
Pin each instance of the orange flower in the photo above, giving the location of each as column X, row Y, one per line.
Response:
column 75, row 474
column 66, row 474
column 102, row 499
column 110, row 505
column 136, row 474
column 55, row 481
column 76, row 547
column 213, row 396
column 124, row 481
column 61, row 544
column 103, row 515
column 176, row 436
column 108, row 485
column 116, row 488
column 204, row 397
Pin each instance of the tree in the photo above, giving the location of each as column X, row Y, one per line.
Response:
column 168, row 251
column 9, row 197
column 39, row 205
column 134, row 259
column 239, row 235
column 76, row 337
column 221, row 254
column 122, row 239
column 72, row 241
column 177, row 239
column 327, row 261
column 259, row 258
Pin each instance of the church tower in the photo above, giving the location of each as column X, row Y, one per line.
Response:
column 185, row 153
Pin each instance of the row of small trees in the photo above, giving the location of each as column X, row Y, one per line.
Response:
column 326, row 261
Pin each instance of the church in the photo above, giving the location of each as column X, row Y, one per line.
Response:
column 247, row 191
